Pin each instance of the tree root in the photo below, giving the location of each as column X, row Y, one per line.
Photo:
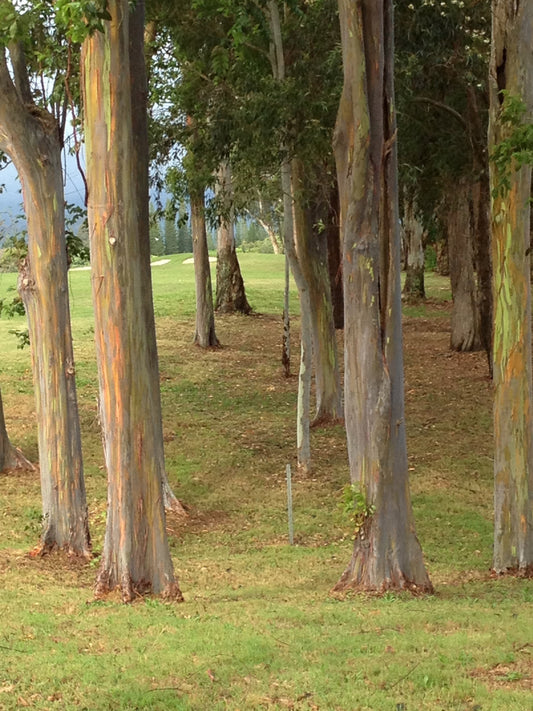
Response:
column 16, row 461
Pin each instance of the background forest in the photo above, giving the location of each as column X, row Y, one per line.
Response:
column 308, row 467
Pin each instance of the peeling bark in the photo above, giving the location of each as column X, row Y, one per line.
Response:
column 139, row 99
column 511, row 69
column 30, row 136
column 136, row 557
column 387, row 554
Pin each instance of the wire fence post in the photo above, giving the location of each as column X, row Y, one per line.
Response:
column 289, row 503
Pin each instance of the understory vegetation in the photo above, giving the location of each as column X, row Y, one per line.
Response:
column 259, row 628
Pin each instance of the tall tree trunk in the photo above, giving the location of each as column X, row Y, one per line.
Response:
column 511, row 71
column 303, row 445
column 139, row 99
column 205, row 335
column 286, row 346
column 465, row 312
column 136, row 556
column 386, row 551
column 312, row 257
column 413, row 236
column 230, row 295
column 271, row 235
column 483, row 261
column 335, row 257
column 30, row 136
column 442, row 266
column 481, row 222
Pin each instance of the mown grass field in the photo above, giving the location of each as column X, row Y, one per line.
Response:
column 259, row 628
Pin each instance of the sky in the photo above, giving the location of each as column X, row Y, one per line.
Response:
column 11, row 197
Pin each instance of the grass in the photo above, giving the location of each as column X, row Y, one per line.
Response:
column 259, row 628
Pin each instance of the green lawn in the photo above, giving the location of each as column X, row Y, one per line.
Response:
column 259, row 628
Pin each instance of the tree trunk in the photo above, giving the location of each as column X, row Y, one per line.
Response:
column 483, row 261
column 30, row 136
column 441, row 253
column 481, row 222
column 10, row 456
column 271, row 235
column 386, row 552
column 136, row 556
column 303, row 444
column 511, row 70
column 139, row 99
column 6, row 458
column 335, row 258
column 413, row 233
column 465, row 312
column 312, row 257
column 286, row 346
column 231, row 295
column 205, row 335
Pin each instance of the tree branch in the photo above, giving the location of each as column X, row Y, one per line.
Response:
column 444, row 107
column 20, row 72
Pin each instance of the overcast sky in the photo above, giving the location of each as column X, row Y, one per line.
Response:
column 11, row 198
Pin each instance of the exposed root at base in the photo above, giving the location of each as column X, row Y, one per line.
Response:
column 524, row 572
column 343, row 589
column 45, row 549
column 326, row 421
column 174, row 505
column 130, row 591
column 16, row 461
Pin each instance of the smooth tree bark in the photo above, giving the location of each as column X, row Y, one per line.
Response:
column 481, row 221
column 230, row 291
column 483, row 260
column 136, row 557
column 205, row 335
column 31, row 137
column 312, row 256
column 286, row 341
column 511, row 77
column 386, row 554
column 139, row 99
column 335, row 257
column 310, row 271
column 465, row 323
column 303, row 418
column 413, row 233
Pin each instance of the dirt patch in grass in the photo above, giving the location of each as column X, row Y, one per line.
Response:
column 515, row 672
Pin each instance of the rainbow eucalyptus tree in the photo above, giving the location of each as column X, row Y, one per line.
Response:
column 386, row 554
column 230, row 292
column 31, row 136
column 136, row 557
column 511, row 142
